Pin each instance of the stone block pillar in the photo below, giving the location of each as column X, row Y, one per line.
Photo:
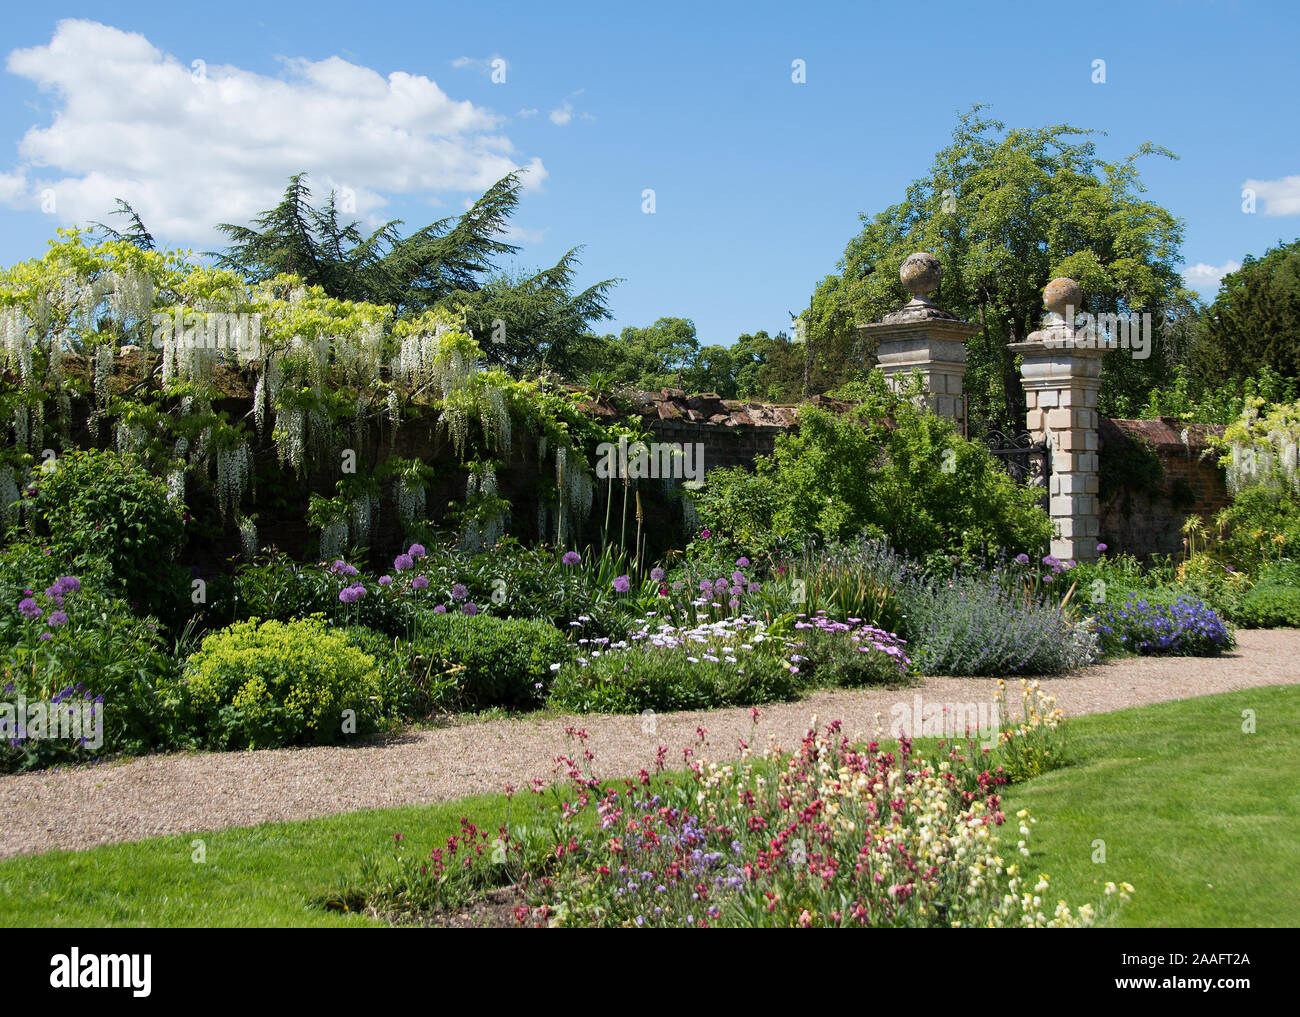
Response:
column 921, row 337
column 1061, row 376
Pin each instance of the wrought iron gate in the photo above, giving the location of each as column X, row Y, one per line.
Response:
column 1029, row 462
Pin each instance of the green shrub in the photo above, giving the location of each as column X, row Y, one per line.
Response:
column 850, row 655
column 887, row 469
column 266, row 684
column 71, row 642
column 502, row 661
column 99, row 503
column 1274, row 600
column 730, row 662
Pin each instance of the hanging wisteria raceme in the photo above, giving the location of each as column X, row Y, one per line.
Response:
column 332, row 538
column 361, row 516
column 232, row 478
column 496, row 419
column 248, row 537
column 410, row 498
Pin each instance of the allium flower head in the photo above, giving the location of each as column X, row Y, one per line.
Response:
column 622, row 584
column 403, row 562
column 459, row 592
column 28, row 608
column 419, row 582
column 470, row 608
column 417, row 551
column 571, row 558
column 657, row 574
column 385, row 580
column 58, row 618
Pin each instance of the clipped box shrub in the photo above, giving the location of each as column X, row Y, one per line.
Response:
column 266, row 684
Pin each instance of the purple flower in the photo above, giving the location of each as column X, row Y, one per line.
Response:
column 458, row 592
column 342, row 568
column 439, row 610
column 571, row 558
column 403, row 562
column 46, row 635
column 622, row 584
column 742, row 562
column 469, row 608
column 705, row 534
column 58, row 618
column 417, row 551
column 419, row 583
column 349, row 595
column 657, row 574
column 385, row 580
column 706, row 586
column 1101, row 548
column 29, row 609
column 720, row 585
column 737, row 578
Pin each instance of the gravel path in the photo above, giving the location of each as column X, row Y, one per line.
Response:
column 182, row 793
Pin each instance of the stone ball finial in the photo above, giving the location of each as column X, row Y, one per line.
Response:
column 920, row 273
column 1062, row 293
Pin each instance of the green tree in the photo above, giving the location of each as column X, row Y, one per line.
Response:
column 1006, row 211
column 1254, row 321
column 652, row 357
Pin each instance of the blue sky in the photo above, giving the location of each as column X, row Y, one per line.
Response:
column 758, row 181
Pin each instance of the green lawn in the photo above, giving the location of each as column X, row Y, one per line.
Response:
column 1202, row 818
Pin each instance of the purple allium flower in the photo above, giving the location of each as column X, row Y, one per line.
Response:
column 458, row 592
column 720, row 585
column 622, row 584
column 755, row 587
column 1101, row 548
column 348, row 595
column 417, row 551
column 58, row 618
column 439, row 610
column 571, row 558
column 419, row 582
column 737, row 577
column 706, row 586
column 733, row 602
column 1022, row 559
column 742, row 562
column 403, row 562
column 657, row 574
column 46, row 635
column 29, row 609
column 385, row 580
column 469, row 608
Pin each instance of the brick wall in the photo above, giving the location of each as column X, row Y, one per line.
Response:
column 1149, row 523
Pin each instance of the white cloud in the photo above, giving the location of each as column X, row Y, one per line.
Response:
column 190, row 146
column 562, row 115
column 1281, row 197
column 1205, row 278
column 524, row 114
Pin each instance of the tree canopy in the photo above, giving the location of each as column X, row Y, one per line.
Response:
column 1006, row 211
